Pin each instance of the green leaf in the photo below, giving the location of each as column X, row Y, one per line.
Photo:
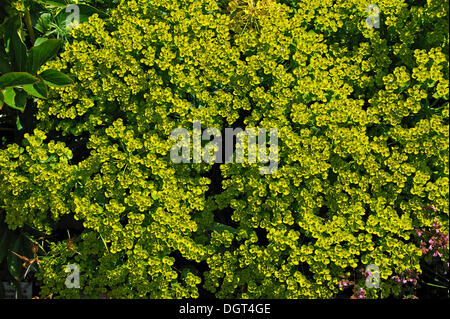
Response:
column 9, row 95
column 15, row 99
column 436, row 96
column 56, row 78
column 43, row 23
column 14, row 262
column 221, row 227
column 4, row 244
column 12, row 79
column 2, row 100
column 42, row 53
column 38, row 89
column 39, row 41
column 85, row 12
column 4, row 65
column 18, row 124
column 17, row 49
column 55, row 3
column 21, row 100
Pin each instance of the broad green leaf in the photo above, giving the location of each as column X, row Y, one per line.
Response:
column 4, row 244
column 43, row 23
column 20, row 53
column 38, row 89
column 15, row 98
column 17, row 79
column 4, row 65
column 17, row 49
column 8, row 96
column 85, row 12
column 42, row 53
column 14, row 262
column 21, row 100
column 56, row 78
column 39, row 41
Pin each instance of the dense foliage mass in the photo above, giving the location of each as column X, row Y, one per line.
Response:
column 362, row 115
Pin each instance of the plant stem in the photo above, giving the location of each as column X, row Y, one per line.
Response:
column 435, row 285
column 29, row 25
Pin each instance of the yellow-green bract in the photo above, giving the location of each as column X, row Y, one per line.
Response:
column 362, row 115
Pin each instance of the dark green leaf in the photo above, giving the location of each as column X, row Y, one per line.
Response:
column 21, row 100
column 5, row 67
column 14, row 262
column 15, row 98
column 56, row 78
column 43, row 23
column 17, row 49
column 4, row 244
column 17, row 79
column 38, row 89
column 85, row 12
column 42, row 53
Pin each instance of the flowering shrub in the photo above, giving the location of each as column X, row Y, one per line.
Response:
column 437, row 243
column 362, row 115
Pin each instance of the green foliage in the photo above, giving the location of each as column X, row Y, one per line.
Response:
column 25, row 65
column 20, row 80
column 14, row 245
column 53, row 20
column 362, row 116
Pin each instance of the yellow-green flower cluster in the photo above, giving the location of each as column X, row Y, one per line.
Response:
column 362, row 116
column 36, row 179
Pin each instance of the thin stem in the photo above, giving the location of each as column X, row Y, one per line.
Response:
column 437, row 286
column 29, row 25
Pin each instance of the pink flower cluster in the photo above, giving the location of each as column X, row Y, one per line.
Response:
column 359, row 294
column 433, row 242
column 365, row 273
column 409, row 276
column 344, row 282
